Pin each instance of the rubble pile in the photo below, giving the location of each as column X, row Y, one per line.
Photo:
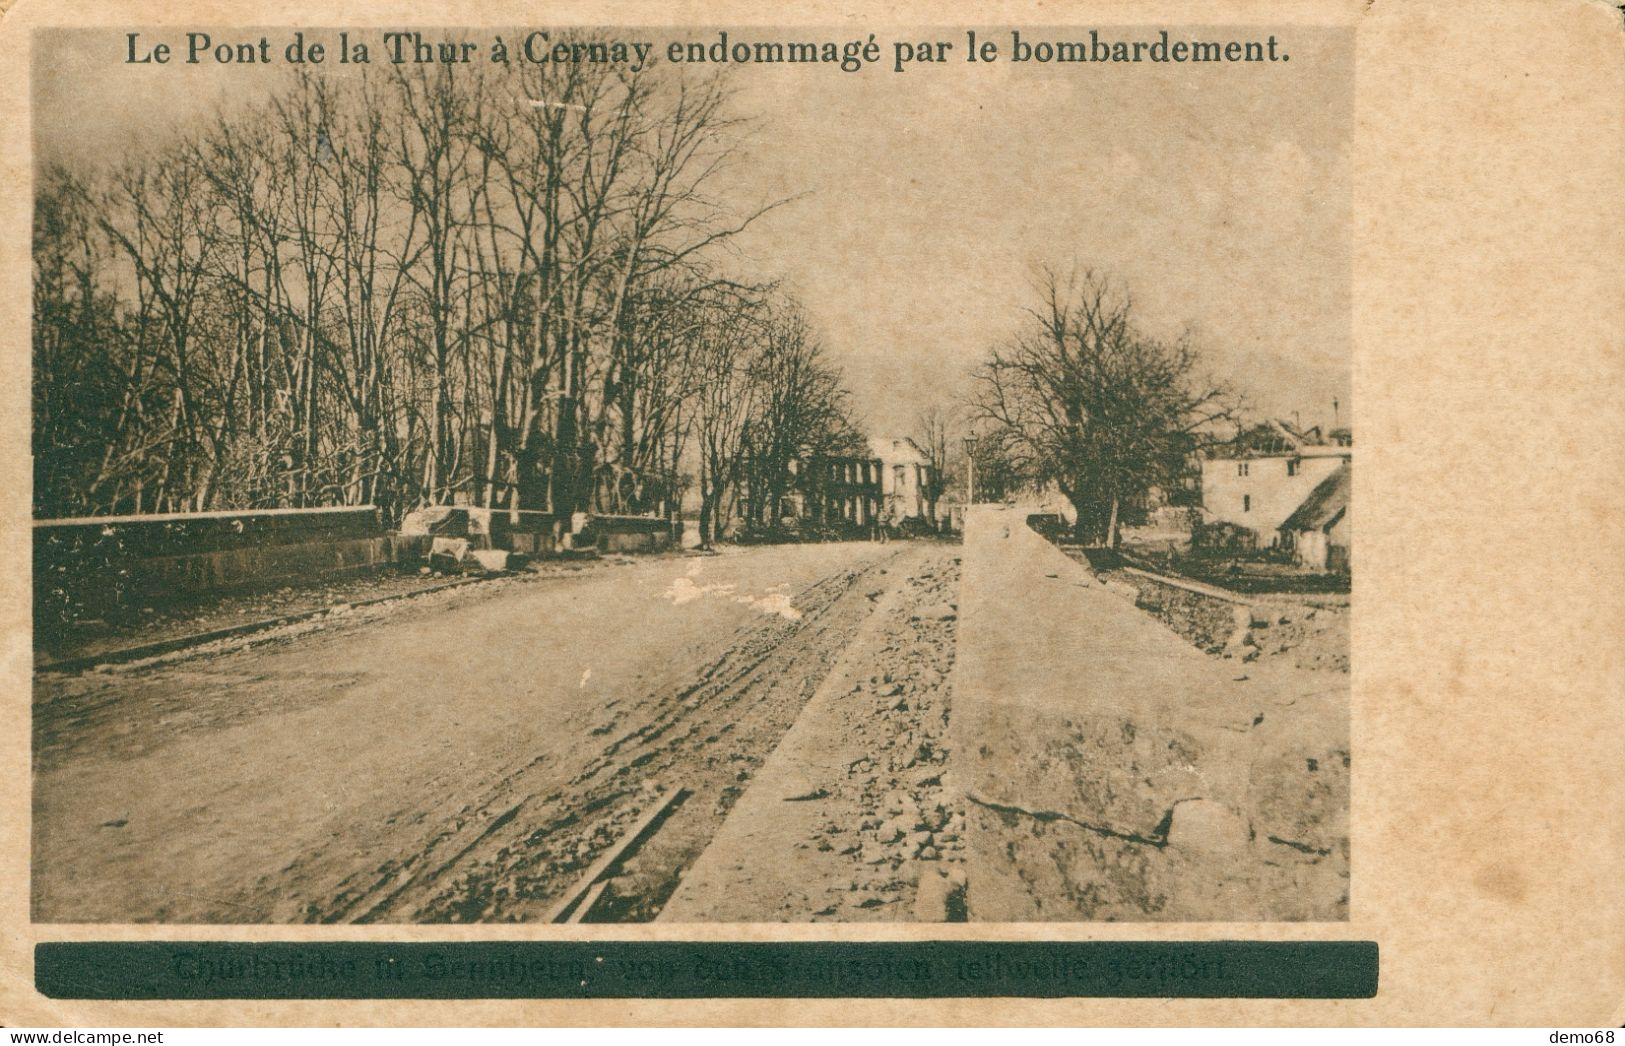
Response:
column 1311, row 637
column 902, row 831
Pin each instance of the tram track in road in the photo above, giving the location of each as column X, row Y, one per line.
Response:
column 249, row 632
column 179, row 642
column 703, row 735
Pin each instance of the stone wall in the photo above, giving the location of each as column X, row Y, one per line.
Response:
column 1206, row 619
column 163, row 577
column 92, row 566
column 152, row 535
column 633, row 533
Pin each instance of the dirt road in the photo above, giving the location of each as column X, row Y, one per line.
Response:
column 459, row 758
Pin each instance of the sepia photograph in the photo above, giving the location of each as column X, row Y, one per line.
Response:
column 834, row 516
column 569, row 475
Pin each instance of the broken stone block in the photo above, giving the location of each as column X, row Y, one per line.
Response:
column 446, row 555
column 487, row 559
column 456, row 548
column 439, row 519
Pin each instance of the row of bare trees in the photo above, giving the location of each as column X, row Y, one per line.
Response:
column 418, row 285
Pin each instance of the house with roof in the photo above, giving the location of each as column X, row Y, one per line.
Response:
column 1261, row 477
column 1319, row 532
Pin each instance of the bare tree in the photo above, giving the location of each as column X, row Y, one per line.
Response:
column 1084, row 399
column 90, row 390
column 157, row 215
column 725, row 345
column 936, row 430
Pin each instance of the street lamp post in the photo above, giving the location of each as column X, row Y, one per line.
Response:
column 970, row 470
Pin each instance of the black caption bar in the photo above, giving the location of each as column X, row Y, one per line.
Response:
column 689, row 970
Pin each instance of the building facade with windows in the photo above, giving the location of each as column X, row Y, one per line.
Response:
column 1261, row 479
column 894, row 484
column 908, row 483
column 836, row 489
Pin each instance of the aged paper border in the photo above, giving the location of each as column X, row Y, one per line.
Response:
column 1488, row 708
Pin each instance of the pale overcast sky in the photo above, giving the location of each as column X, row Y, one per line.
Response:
column 1219, row 194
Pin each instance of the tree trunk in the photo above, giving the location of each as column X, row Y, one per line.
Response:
column 1083, row 520
column 705, row 521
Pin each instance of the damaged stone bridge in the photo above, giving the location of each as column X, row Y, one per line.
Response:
column 1112, row 771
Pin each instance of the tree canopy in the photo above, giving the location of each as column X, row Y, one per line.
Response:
column 1083, row 398
column 418, row 285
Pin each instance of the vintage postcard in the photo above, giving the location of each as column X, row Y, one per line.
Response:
column 642, row 515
